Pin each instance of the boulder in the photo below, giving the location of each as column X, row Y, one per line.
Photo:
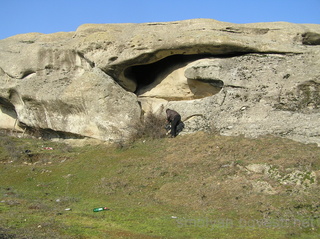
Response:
column 252, row 79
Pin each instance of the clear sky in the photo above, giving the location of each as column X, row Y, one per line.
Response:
column 48, row 16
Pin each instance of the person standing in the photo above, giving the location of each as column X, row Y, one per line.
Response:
column 174, row 119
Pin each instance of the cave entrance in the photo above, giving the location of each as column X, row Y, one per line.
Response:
column 165, row 79
column 145, row 75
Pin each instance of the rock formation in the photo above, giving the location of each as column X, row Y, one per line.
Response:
column 251, row 79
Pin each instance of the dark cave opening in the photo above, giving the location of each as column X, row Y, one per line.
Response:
column 146, row 74
column 6, row 104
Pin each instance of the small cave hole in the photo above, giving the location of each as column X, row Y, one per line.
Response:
column 27, row 73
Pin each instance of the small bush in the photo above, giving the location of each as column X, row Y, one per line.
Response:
column 10, row 149
column 151, row 126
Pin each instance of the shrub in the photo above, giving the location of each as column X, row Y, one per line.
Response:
column 10, row 150
column 151, row 126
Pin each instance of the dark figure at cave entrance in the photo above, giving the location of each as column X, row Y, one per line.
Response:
column 174, row 119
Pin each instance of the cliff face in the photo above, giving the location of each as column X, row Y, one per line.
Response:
column 250, row 79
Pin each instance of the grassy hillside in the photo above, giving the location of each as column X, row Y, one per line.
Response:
column 193, row 186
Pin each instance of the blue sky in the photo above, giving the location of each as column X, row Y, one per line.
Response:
column 48, row 16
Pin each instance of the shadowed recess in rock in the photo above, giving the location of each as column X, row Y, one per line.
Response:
column 160, row 78
column 146, row 74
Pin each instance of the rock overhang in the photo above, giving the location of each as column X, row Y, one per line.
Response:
column 122, row 71
column 129, row 45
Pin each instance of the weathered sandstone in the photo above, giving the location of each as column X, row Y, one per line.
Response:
column 251, row 79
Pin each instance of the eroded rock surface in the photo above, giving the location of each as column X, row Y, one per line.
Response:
column 251, row 79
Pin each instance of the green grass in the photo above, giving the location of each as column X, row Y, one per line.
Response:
column 193, row 186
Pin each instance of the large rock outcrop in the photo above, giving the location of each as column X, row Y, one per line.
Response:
column 251, row 79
